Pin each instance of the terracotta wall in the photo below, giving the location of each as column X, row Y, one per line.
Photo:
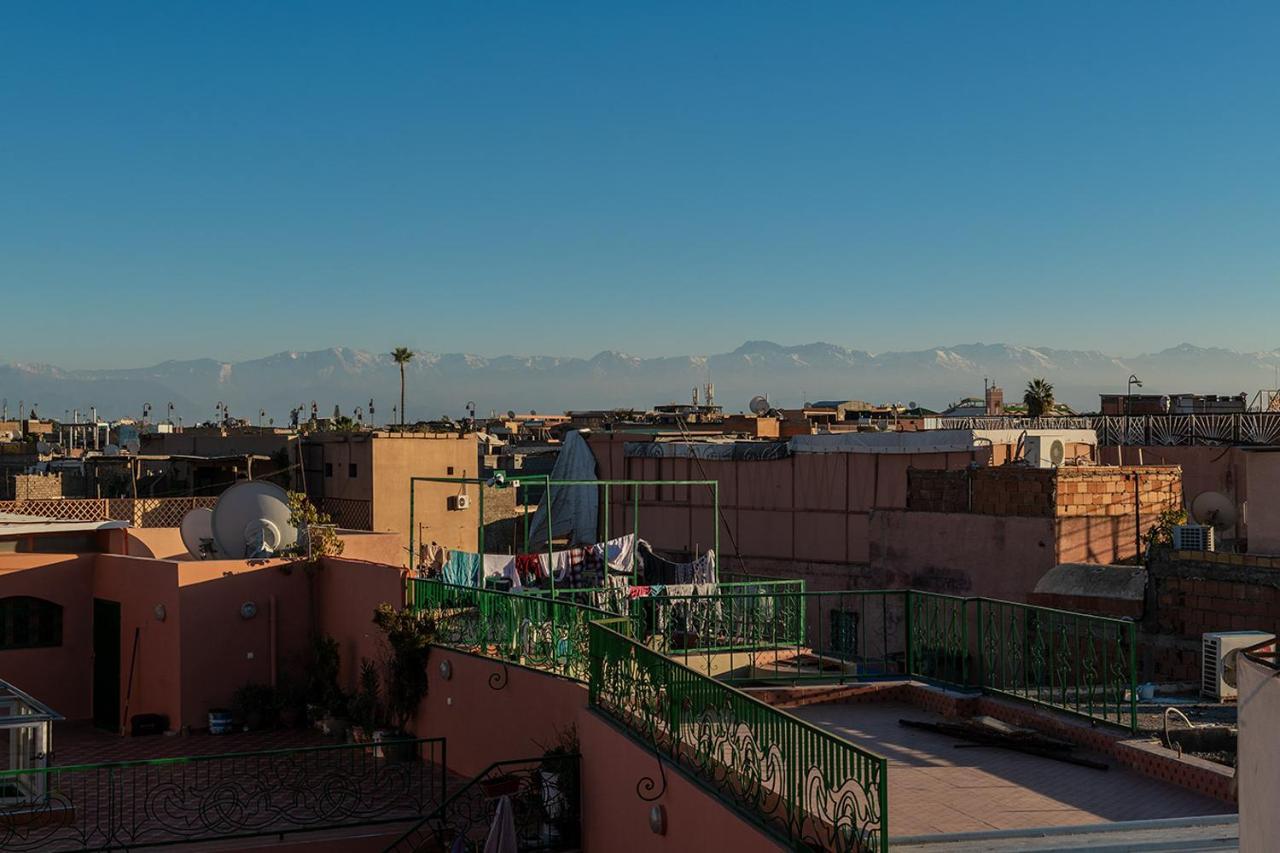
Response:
column 61, row 676
column 162, row 543
column 396, row 459
column 809, row 508
column 221, row 650
column 155, row 674
column 960, row 553
column 347, row 591
column 483, row 725
column 1204, row 469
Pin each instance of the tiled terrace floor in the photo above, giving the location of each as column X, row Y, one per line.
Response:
column 935, row 788
column 81, row 743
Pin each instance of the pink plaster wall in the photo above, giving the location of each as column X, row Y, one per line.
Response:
column 140, row 585
column 61, row 676
column 961, row 553
column 1264, row 502
column 162, row 543
column 615, row 819
column 217, row 642
column 1258, row 773
column 347, row 591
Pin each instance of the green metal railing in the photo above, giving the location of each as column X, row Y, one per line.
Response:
column 937, row 631
column 528, row 630
column 1083, row 664
column 160, row 802
column 809, row 788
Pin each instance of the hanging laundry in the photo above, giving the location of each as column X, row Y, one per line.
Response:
column 431, row 559
column 502, row 565
column 620, row 553
column 660, row 570
column 637, row 592
column 462, row 569
column 529, row 568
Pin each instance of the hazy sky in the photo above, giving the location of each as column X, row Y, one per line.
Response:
column 233, row 179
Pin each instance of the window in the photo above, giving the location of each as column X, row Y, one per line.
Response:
column 351, row 469
column 844, row 632
column 328, row 469
column 449, row 471
column 27, row 622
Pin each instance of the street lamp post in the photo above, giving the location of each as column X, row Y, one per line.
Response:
column 1128, row 397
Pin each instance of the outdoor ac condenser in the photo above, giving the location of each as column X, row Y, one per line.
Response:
column 1213, row 659
column 1193, row 537
column 1045, row 451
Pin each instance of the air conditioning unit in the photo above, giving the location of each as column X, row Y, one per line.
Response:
column 459, row 502
column 1193, row 537
column 1044, row 451
column 1217, row 663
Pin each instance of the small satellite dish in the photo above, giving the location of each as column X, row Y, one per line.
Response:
column 759, row 405
column 1214, row 509
column 251, row 519
column 1057, row 452
column 197, row 532
column 511, row 414
column 111, row 450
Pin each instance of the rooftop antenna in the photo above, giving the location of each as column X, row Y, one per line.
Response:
column 695, row 396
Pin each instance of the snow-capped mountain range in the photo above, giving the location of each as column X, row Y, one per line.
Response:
column 442, row 383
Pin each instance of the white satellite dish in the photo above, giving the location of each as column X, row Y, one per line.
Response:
column 251, row 519
column 759, row 405
column 1214, row 509
column 197, row 532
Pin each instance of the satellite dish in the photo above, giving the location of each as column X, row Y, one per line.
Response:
column 111, row 450
column 197, row 532
column 511, row 414
column 1214, row 509
column 759, row 405
column 1057, row 452
column 251, row 519
column 133, row 445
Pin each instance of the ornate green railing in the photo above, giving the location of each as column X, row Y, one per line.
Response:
column 132, row 804
column 529, row 630
column 808, row 787
column 1071, row 661
column 545, row 803
column 937, row 637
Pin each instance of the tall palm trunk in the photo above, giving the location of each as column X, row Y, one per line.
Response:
column 402, row 394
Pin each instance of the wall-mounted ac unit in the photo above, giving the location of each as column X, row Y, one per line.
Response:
column 1044, row 451
column 457, row 502
column 1193, row 537
column 1217, row 665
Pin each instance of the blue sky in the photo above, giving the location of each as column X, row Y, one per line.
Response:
column 234, row 179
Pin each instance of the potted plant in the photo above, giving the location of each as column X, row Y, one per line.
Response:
column 323, row 665
column 501, row 785
column 558, row 779
column 366, row 705
column 408, row 634
column 335, row 719
column 256, row 705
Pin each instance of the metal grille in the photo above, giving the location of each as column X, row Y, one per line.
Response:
column 140, row 512
column 349, row 514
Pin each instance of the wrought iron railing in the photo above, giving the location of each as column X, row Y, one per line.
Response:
column 1242, row 428
column 545, row 806
column 1071, row 661
column 134, row 804
column 808, row 787
column 938, row 637
column 528, row 630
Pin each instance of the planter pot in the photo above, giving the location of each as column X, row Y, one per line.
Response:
column 334, row 726
column 394, row 747
column 500, row 786
column 220, row 721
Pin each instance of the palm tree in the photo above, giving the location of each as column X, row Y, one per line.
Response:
column 402, row 356
column 1038, row 398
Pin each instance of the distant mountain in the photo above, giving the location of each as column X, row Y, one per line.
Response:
column 444, row 383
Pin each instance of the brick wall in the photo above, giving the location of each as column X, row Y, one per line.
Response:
column 1193, row 593
column 34, row 487
column 1068, row 492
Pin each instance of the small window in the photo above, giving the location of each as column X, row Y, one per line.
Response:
column 351, row 469
column 27, row 623
column 328, row 469
column 449, row 471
